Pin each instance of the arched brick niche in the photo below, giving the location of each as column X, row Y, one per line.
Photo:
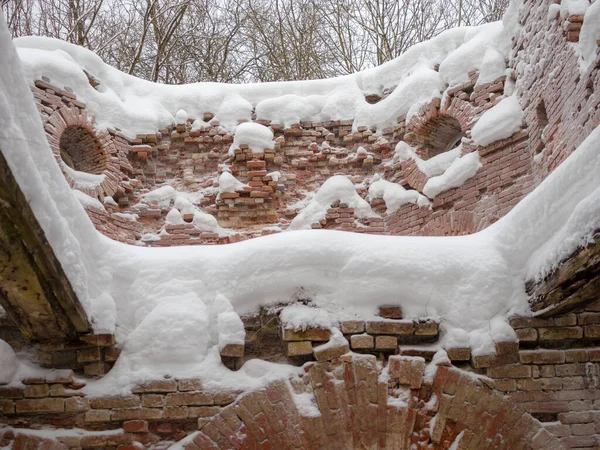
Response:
column 81, row 150
column 437, row 135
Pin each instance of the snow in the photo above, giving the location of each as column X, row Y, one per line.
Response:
column 150, row 237
column 300, row 317
column 431, row 167
column 160, row 302
column 577, row 232
column 395, row 195
column 109, row 201
column 574, row 7
column 83, row 180
column 206, row 222
column 589, row 37
column 231, row 329
column 481, row 342
column 493, row 66
column 8, row 363
column 256, row 136
column 181, row 117
column 139, row 106
column 275, row 176
column 502, row 331
column 456, row 338
column 498, row 122
column 471, row 55
column 183, row 443
column 459, row 171
column 162, row 197
column 126, row 216
column 306, row 405
column 337, row 339
column 88, row 201
column 337, row 188
column 174, row 217
column 229, row 183
column 53, row 433
column 456, row 442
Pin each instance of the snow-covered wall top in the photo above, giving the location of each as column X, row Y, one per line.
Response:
column 140, row 106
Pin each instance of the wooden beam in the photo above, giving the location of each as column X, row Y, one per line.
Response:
column 34, row 288
column 575, row 282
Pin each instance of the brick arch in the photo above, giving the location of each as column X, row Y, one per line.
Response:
column 75, row 142
column 438, row 128
column 352, row 408
column 81, row 150
column 454, row 223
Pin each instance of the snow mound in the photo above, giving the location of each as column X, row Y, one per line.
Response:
column 206, row 222
column 83, row 180
column 300, row 317
column 181, row 117
column 493, row 66
column 88, row 201
column 337, row 339
column 229, row 184
column 337, row 188
column 431, row 167
column 395, row 195
column 256, row 136
column 459, row 171
column 174, row 217
column 8, row 363
column 499, row 122
column 176, row 331
column 162, row 197
column 589, row 36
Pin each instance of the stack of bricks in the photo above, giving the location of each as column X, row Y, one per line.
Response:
column 573, row 26
column 252, row 204
column 341, row 216
column 93, row 354
column 581, row 326
column 115, row 226
column 386, row 334
column 299, row 343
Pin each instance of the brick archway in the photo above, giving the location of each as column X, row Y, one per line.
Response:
column 439, row 128
column 81, row 150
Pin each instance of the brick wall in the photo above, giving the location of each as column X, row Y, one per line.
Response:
column 561, row 108
column 352, row 407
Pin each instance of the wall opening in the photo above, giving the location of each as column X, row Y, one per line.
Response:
column 81, row 151
column 542, row 123
column 436, row 136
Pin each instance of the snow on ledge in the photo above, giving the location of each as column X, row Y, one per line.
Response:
column 455, row 176
column 336, row 188
column 498, row 122
column 256, row 136
column 139, row 106
column 394, row 195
